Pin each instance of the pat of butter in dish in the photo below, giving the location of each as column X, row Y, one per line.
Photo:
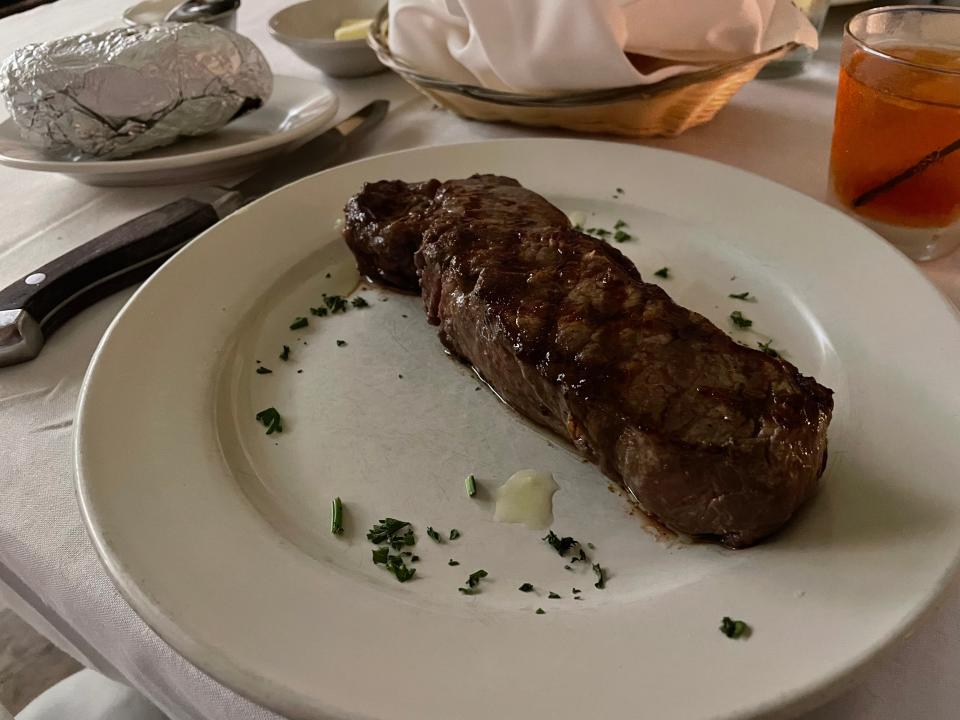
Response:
column 527, row 497
column 353, row 29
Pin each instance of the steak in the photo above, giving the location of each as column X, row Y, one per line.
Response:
column 710, row 437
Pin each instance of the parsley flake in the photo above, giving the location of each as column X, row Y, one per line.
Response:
column 561, row 544
column 454, row 534
column 475, row 578
column 434, row 535
column 526, row 587
column 734, row 629
column 740, row 320
column 263, row 370
column 541, row 611
column 299, row 322
column 399, row 569
column 619, row 224
column 318, row 311
column 271, row 420
column 621, row 236
column 553, row 596
column 601, row 582
column 380, row 555
column 359, row 302
column 745, row 296
column 452, row 563
column 663, row 272
column 767, row 349
column 285, row 355
column 383, row 530
column 335, row 303
column 341, row 343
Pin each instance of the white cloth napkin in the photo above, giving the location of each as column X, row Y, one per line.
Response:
column 543, row 46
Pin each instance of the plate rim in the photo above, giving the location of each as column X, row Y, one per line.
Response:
column 790, row 703
column 138, row 165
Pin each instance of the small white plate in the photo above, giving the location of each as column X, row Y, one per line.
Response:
column 218, row 534
column 297, row 111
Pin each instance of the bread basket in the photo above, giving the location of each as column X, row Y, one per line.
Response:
column 664, row 108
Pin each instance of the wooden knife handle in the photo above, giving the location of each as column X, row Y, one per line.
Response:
column 120, row 257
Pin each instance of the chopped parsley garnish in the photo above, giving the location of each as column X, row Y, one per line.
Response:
column 335, row 303
column 561, row 545
column 540, row 611
column 553, row 596
column 318, row 311
column 336, row 516
column 475, row 578
column 576, row 591
column 734, row 629
column 567, row 567
column 285, row 355
column 299, row 322
column 621, row 236
column 620, row 191
column 472, row 582
column 470, row 483
column 740, row 320
column 454, row 534
column 591, row 546
column 741, row 296
column 619, row 224
column 598, row 232
column 263, row 370
column 601, row 582
column 380, row 555
column 399, row 541
column 663, row 272
column 382, row 531
column 415, row 558
column 767, row 349
column 271, row 420
column 434, row 535
column 452, row 563
column 526, row 587
column 399, row 569
column 359, row 302
column 341, row 343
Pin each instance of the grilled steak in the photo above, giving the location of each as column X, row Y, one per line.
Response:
column 710, row 437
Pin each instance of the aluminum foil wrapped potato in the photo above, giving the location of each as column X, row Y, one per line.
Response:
column 121, row 92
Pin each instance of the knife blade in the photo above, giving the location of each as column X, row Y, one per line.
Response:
column 34, row 306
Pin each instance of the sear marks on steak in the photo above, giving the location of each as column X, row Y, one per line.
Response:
column 710, row 437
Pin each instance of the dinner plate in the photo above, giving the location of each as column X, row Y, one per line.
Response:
column 296, row 111
column 219, row 534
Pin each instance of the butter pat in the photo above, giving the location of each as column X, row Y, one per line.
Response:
column 353, row 29
column 527, row 497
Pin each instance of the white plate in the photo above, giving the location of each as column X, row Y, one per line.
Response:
column 296, row 111
column 218, row 534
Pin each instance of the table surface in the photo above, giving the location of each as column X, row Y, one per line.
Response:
column 778, row 129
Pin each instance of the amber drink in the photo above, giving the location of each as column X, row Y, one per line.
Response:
column 895, row 159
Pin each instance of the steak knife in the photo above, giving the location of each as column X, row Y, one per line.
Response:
column 34, row 306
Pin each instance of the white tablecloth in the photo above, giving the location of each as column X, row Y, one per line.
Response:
column 48, row 568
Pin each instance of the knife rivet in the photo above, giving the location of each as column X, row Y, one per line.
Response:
column 35, row 279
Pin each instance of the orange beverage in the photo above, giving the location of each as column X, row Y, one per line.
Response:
column 895, row 159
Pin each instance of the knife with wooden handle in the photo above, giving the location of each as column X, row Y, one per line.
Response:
column 33, row 307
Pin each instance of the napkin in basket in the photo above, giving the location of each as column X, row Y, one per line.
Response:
column 546, row 46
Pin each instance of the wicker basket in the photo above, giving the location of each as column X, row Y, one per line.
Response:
column 665, row 108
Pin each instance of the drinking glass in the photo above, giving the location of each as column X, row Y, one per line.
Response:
column 894, row 161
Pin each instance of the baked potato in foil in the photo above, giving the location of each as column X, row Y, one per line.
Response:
column 117, row 93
